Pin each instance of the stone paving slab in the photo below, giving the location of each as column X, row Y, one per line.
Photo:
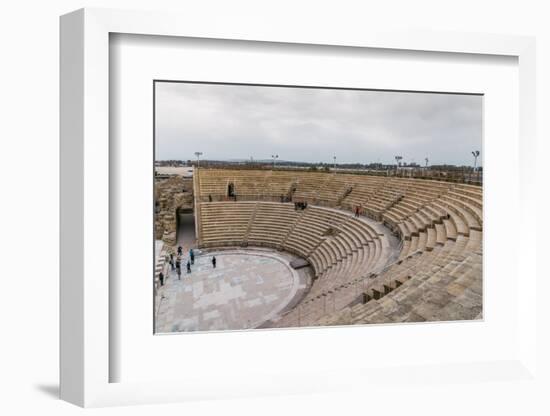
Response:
column 243, row 291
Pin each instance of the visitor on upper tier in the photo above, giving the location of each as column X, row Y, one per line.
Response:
column 209, row 198
column 161, row 278
column 188, row 267
column 214, row 262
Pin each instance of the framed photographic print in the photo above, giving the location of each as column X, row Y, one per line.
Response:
column 325, row 228
column 245, row 212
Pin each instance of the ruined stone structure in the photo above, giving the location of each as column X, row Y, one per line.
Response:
column 171, row 195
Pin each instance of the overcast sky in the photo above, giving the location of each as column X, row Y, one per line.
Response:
column 313, row 125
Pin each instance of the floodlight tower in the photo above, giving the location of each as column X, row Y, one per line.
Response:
column 198, row 154
column 397, row 159
column 334, row 157
column 275, row 157
column 475, row 153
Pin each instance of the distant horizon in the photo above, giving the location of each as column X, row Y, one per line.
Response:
column 233, row 122
column 282, row 161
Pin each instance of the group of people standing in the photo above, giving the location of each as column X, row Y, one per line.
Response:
column 175, row 263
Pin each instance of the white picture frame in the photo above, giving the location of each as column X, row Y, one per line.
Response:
column 85, row 212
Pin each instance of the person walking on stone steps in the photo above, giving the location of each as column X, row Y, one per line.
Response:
column 214, row 262
column 356, row 211
column 192, row 256
column 178, row 263
column 161, row 278
column 188, row 267
column 180, row 250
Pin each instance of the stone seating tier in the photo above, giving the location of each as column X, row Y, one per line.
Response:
column 439, row 223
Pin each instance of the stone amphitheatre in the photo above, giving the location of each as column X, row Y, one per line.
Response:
column 412, row 253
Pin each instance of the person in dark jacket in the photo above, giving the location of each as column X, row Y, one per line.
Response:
column 188, row 267
column 192, row 256
column 180, row 250
column 214, row 262
column 161, row 278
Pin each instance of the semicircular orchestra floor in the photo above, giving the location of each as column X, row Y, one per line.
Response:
column 246, row 289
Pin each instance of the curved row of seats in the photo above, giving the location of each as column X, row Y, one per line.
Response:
column 338, row 246
column 374, row 194
column 446, row 286
column 450, row 214
column 442, row 284
column 428, row 283
column 437, row 274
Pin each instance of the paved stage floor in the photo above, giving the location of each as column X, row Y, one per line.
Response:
column 246, row 289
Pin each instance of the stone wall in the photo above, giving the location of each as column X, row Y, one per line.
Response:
column 170, row 195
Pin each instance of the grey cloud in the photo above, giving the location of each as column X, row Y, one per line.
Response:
column 230, row 121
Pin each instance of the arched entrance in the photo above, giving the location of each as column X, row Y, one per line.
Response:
column 185, row 218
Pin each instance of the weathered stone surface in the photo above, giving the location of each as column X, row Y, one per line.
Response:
column 455, row 289
column 170, row 195
column 431, row 282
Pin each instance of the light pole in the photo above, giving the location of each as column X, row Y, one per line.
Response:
column 334, row 157
column 397, row 159
column 475, row 153
column 198, row 154
column 425, row 173
column 275, row 157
